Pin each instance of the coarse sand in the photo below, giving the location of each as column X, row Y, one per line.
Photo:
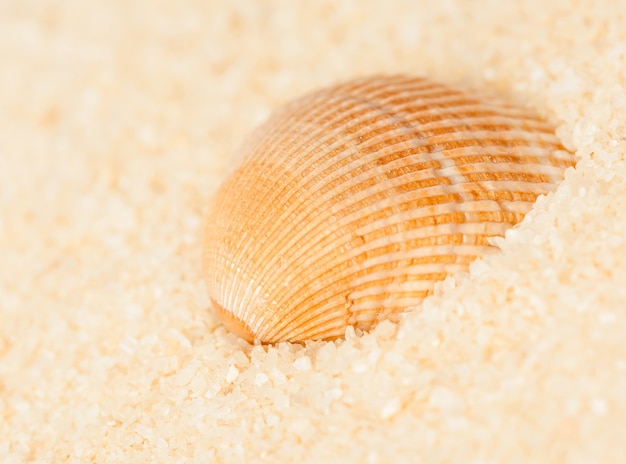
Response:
column 117, row 121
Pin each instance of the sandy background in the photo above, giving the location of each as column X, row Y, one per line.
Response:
column 117, row 119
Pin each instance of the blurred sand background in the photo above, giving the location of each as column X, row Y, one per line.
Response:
column 117, row 120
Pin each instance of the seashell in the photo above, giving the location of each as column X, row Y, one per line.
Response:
column 350, row 203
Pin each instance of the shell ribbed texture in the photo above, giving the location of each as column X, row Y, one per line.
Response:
column 350, row 203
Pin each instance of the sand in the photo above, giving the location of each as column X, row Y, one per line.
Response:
column 117, row 121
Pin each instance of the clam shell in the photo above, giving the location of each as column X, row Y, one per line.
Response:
column 350, row 203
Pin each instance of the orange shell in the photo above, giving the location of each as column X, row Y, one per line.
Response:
column 351, row 202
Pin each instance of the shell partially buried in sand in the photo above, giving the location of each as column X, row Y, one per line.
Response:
column 351, row 202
